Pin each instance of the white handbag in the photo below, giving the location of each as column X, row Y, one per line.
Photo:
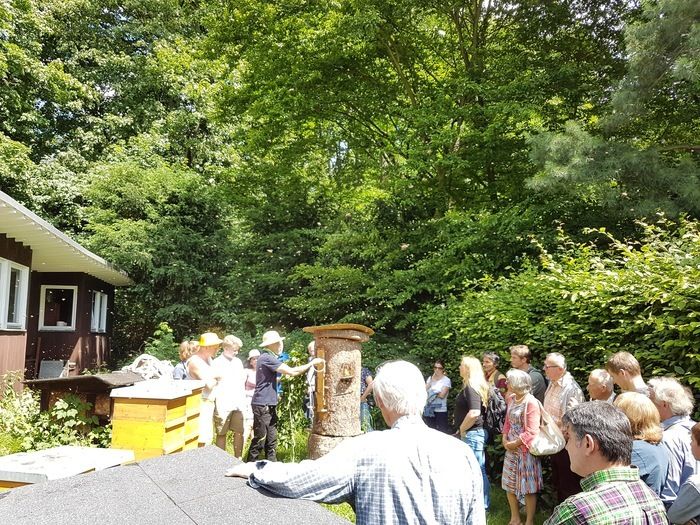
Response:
column 549, row 440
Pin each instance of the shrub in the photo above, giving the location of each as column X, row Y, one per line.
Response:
column 23, row 427
column 587, row 303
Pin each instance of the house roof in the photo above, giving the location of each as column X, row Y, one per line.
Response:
column 53, row 250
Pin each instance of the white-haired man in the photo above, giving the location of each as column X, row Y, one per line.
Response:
column 675, row 404
column 600, row 386
column 229, row 395
column 407, row 474
column 563, row 393
column 264, row 402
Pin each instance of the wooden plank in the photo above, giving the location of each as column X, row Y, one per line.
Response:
column 147, row 410
column 7, row 485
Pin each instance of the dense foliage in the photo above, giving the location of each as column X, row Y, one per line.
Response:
column 68, row 422
column 430, row 169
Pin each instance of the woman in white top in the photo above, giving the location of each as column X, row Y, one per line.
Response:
column 252, row 362
column 438, row 386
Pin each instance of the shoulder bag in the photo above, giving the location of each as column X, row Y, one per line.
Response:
column 549, row 440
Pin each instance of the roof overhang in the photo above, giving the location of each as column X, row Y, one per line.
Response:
column 53, row 250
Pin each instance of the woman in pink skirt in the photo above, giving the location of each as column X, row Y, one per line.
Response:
column 522, row 472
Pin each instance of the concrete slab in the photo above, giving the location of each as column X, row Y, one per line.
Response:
column 59, row 462
column 180, row 489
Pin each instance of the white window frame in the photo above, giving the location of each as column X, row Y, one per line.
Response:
column 98, row 315
column 42, row 305
column 6, row 267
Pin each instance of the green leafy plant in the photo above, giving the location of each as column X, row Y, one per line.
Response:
column 162, row 344
column 23, row 427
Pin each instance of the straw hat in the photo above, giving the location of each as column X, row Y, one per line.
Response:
column 271, row 337
column 209, row 339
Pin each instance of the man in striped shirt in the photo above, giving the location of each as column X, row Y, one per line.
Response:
column 599, row 442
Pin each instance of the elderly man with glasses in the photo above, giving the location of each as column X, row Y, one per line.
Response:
column 563, row 393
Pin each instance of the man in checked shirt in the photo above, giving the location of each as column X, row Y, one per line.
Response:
column 599, row 442
column 407, row 474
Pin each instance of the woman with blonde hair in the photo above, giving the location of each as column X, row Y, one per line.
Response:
column 470, row 406
column 522, row 472
column 647, row 456
column 185, row 351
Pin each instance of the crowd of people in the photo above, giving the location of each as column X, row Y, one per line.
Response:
column 630, row 457
column 664, row 454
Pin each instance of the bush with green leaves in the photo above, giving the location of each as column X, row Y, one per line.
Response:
column 587, row 303
column 23, row 427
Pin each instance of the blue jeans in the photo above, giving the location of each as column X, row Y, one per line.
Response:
column 365, row 417
column 476, row 439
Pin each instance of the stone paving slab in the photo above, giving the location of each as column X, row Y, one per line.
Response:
column 180, row 489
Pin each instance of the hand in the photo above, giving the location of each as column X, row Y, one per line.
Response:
column 511, row 445
column 317, row 361
column 242, row 470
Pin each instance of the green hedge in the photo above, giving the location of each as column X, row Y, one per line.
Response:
column 588, row 301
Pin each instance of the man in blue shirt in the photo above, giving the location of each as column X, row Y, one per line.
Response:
column 264, row 402
column 675, row 404
column 407, row 474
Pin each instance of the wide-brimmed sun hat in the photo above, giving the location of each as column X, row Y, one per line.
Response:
column 271, row 337
column 209, row 339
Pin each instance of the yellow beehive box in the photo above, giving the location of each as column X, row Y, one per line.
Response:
column 156, row 417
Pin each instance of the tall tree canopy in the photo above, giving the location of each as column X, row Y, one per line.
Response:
column 287, row 163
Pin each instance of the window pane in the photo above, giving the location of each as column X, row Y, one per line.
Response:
column 13, row 307
column 58, row 307
column 103, row 313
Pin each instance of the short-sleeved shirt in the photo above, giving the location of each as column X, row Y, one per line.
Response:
column 434, row 388
column 266, row 380
column 652, row 462
column 468, row 399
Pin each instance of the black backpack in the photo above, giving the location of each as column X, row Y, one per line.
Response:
column 495, row 413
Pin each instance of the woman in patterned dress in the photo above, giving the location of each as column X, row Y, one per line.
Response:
column 522, row 472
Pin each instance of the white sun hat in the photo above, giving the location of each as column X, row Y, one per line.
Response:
column 271, row 337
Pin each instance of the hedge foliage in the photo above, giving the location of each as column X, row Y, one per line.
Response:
column 587, row 301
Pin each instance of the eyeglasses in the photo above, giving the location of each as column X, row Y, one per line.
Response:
column 545, row 367
column 437, row 367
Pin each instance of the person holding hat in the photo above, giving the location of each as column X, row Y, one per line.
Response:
column 199, row 366
column 264, row 401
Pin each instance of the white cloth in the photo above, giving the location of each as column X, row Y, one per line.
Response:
column 230, row 390
column 408, row 474
column 434, row 388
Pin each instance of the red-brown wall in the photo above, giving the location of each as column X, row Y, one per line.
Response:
column 13, row 343
column 83, row 347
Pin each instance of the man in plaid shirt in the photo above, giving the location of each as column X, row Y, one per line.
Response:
column 405, row 475
column 599, row 442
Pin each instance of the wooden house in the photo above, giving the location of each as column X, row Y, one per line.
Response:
column 56, row 297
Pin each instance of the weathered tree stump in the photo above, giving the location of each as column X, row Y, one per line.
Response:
column 337, row 410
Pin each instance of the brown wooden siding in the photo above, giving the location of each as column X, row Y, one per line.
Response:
column 15, row 251
column 12, row 347
column 13, row 343
column 88, row 350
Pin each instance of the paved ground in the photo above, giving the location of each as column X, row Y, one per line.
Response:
column 180, row 489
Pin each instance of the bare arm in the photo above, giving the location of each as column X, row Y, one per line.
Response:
column 370, row 387
column 468, row 421
column 298, row 370
column 198, row 369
